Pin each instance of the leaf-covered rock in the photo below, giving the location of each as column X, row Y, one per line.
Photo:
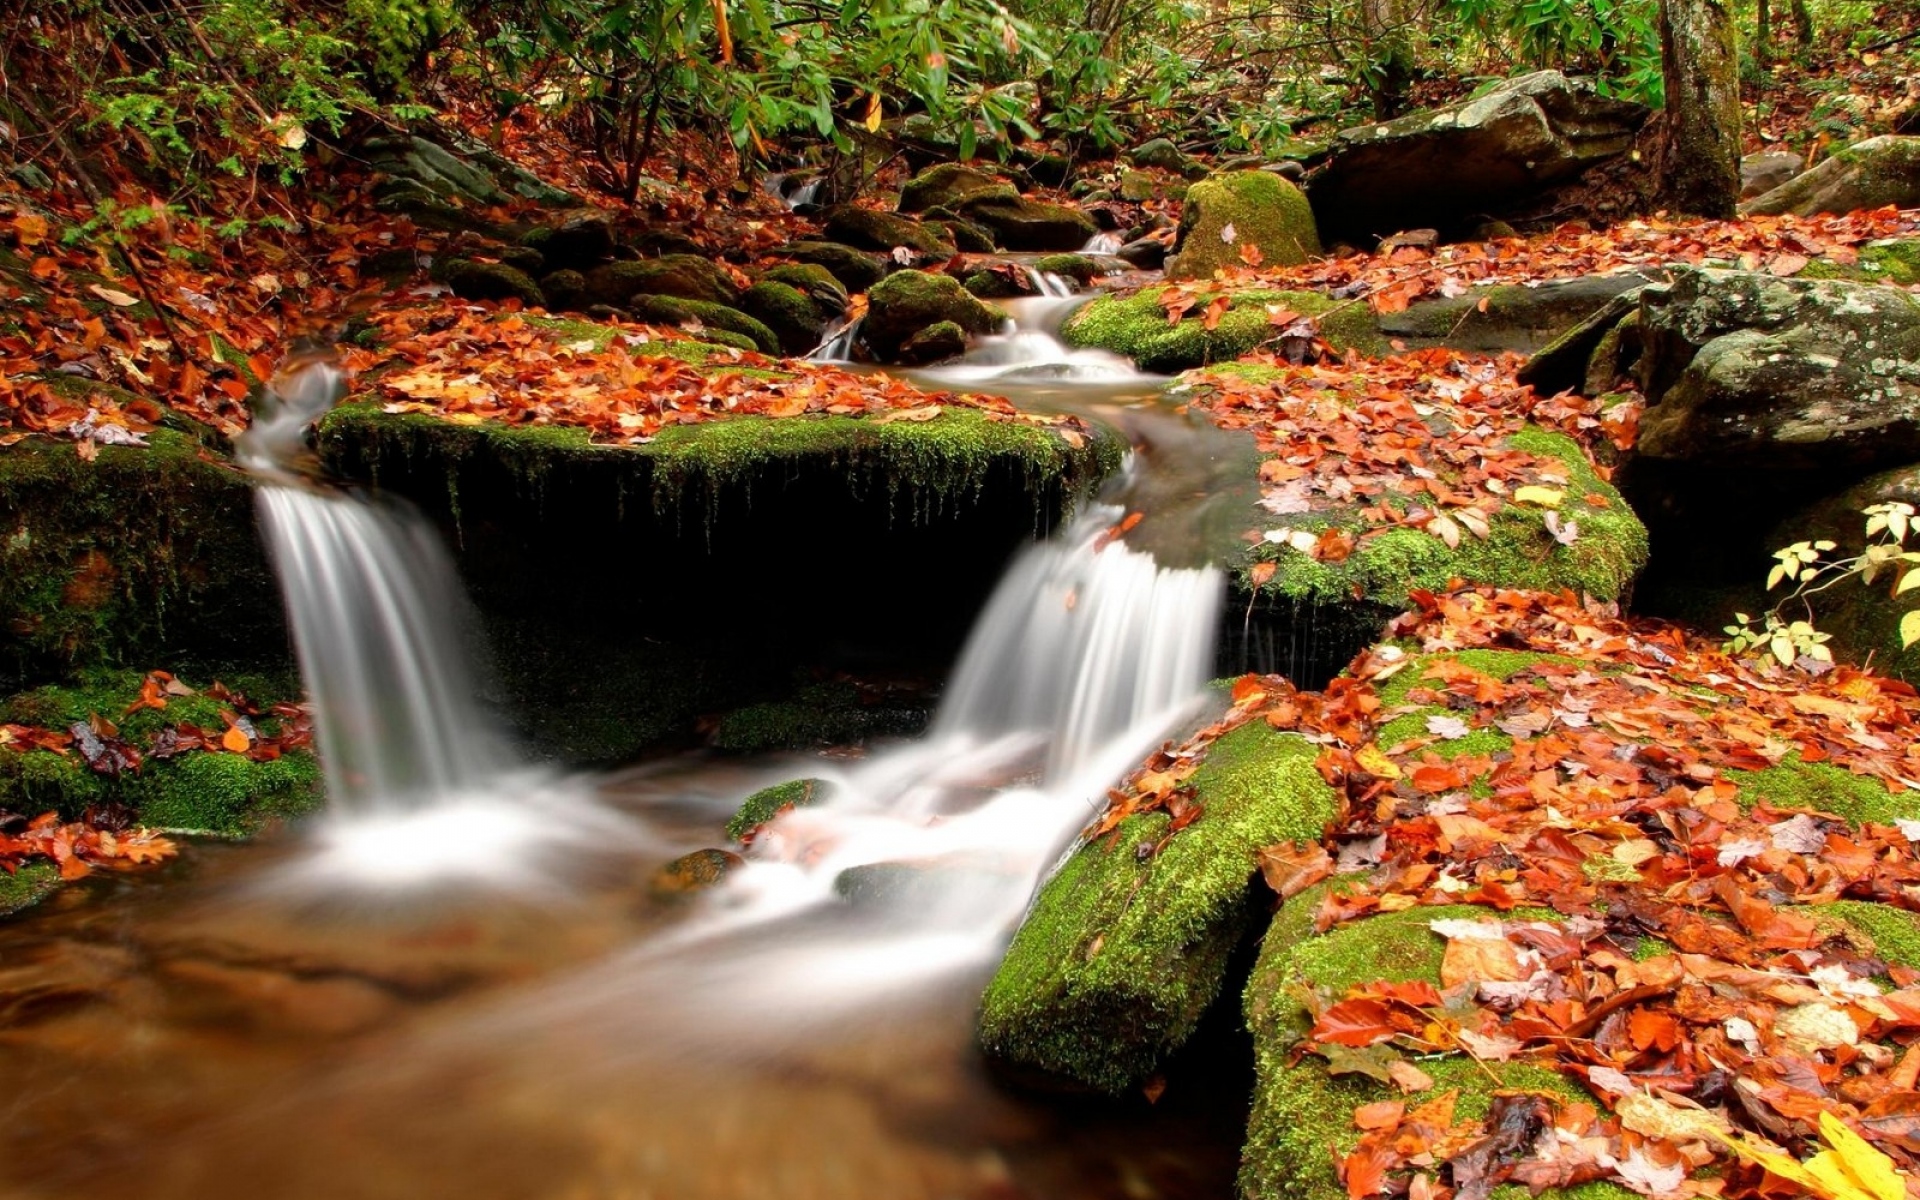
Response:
column 682, row 276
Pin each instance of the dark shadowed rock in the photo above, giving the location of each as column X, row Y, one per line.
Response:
column 869, row 229
column 1451, row 167
column 685, row 276
column 1518, row 317
column 1022, row 224
column 580, row 243
column 472, row 280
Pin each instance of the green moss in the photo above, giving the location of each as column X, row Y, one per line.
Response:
column 202, row 791
column 809, row 724
column 1263, row 210
column 1521, row 552
column 1077, row 267
column 1822, row 787
column 1120, row 954
column 1896, row 261
column 1302, row 1115
column 1136, row 326
column 27, row 886
column 767, row 803
column 143, row 554
column 708, row 317
column 1892, row 934
column 1246, row 372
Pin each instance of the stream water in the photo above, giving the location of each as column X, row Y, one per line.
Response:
column 458, row 982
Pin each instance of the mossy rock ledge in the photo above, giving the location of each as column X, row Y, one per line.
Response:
column 1124, row 949
column 1302, row 1115
column 1136, row 326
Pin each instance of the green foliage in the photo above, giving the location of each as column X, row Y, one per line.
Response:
column 1803, row 564
column 1616, row 42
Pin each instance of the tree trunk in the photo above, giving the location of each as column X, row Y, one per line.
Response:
column 1802, row 23
column 1390, row 68
column 1763, row 33
column 1700, row 157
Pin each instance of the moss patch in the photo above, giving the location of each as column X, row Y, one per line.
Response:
column 1120, row 954
column 28, row 886
column 1892, row 934
column 201, row 791
column 1822, row 787
column 1521, row 552
column 1896, row 261
column 1136, row 326
column 1302, row 1115
column 767, row 803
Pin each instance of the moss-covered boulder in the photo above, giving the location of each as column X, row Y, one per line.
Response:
column 147, row 554
column 1159, row 153
column 870, row 229
column 856, row 270
column 1128, row 943
column 471, row 279
column 1018, row 223
column 968, row 237
column 787, row 311
column 696, row 314
column 948, row 185
column 683, row 276
column 211, row 791
column 566, row 291
column 1226, row 213
column 1870, row 174
column 936, row 343
column 26, row 887
column 769, row 802
column 827, row 294
column 580, row 242
column 1302, row 1120
column 1136, row 326
column 907, row 302
column 1077, row 267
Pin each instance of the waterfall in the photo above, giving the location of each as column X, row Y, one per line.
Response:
column 837, row 345
column 1104, row 243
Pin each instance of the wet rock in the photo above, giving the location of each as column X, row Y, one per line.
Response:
column 1159, row 153
column 967, row 237
column 907, row 302
column 787, row 311
column 566, row 291
column 827, row 294
column 695, row 872
column 949, row 185
column 856, row 270
column 769, row 802
column 868, row 229
column 1766, row 170
column 1523, row 318
column 684, row 276
column 1023, row 224
column 473, row 280
column 936, row 343
column 702, row 317
column 1869, row 174
column 580, row 243
column 1449, row 167
column 1146, row 253
column 1225, row 214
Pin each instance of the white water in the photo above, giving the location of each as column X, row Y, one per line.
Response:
column 421, row 784
column 1104, row 243
column 1029, row 350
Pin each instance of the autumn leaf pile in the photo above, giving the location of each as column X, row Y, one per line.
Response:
column 469, row 364
column 1417, row 440
column 1400, row 273
column 1650, row 930
column 102, row 838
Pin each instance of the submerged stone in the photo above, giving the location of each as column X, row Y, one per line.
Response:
column 695, row 872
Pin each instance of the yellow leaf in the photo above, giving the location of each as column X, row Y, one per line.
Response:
column 873, row 113
column 1866, row 1166
column 1376, row 763
column 1545, row 497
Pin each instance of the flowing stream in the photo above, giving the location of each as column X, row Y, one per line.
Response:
column 272, row 1019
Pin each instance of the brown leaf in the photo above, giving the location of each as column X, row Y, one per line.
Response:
column 1294, row 867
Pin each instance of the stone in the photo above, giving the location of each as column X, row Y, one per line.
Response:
column 1137, row 186
column 936, row 343
column 1450, row 167
column 1159, row 153
column 968, row 237
column 695, row 872
column 786, row 310
column 1521, row 317
column 685, row 276
column 907, row 302
column 1146, row 253
column 827, row 294
column 948, row 185
column 1024, row 224
column 1077, row 267
column 869, row 229
column 856, row 270
column 566, row 291
column 471, row 280
column 696, row 314
column 1224, row 214
column 580, row 243
column 658, row 243
column 1051, row 170
column 1765, row 170
column 1870, row 174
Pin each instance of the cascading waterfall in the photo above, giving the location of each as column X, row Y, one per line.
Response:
column 1104, row 243
column 420, row 781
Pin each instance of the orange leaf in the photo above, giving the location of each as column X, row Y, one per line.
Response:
column 1216, row 308
column 235, row 739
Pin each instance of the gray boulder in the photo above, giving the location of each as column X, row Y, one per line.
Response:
column 435, row 179
column 1451, row 167
column 1869, row 174
column 1517, row 317
column 1159, row 153
column 1766, row 170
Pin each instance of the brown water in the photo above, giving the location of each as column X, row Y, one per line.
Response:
column 187, row 1033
